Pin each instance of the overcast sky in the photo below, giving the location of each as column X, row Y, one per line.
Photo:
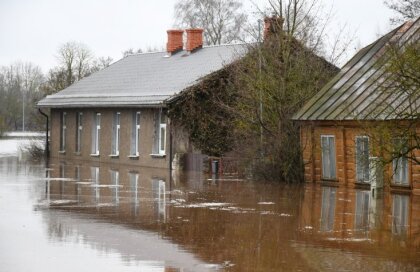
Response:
column 32, row 30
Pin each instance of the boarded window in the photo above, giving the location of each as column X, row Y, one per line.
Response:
column 135, row 134
column 328, row 157
column 115, row 145
column 63, row 128
column 400, row 164
column 96, row 129
column 362, row 159
column 79, row 128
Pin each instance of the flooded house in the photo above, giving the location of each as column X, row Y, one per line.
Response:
column 119, row 114
column 336, row 124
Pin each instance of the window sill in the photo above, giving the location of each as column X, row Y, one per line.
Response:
column 400, row 186
column 62, row 152
column 133, row 157
column 114, row 156
column 360, row 183
column 94, row 155
column 77, row 153
column 158, row 155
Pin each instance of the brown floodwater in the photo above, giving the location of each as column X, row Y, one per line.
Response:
column 77, row 216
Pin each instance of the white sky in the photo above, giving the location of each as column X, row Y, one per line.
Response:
column 32, row 30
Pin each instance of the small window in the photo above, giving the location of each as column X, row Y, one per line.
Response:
column 159, row 146
column 115, row 134
column 135, row 134
column 96, row 129
column 400, row 163
column 328, row 157
column 79, row 128
column 362, row 159
column 63, row 128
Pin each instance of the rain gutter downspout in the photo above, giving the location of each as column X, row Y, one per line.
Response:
column 47, row 147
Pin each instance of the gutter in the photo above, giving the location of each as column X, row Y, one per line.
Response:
column 47, row 147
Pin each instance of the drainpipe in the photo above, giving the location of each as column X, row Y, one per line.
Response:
column 47, row 147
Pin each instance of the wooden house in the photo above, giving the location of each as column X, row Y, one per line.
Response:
column 338, row 124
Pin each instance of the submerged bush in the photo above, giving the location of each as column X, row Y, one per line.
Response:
column 34, row 148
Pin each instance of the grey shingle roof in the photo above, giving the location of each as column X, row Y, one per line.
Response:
column 144, row 79
column 359, row 91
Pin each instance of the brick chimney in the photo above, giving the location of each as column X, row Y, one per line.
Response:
column 194, row 39
column 175, row 42
column 272, row 25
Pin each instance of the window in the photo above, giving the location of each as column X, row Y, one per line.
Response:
column 96, row 129
column 400, row 164
column 115, row 181
column 328, row 209
column 400, row 214
column 115, row 146
column 79, row 127
column 328, row 157
column 135, row 134
column 160, row 133
column 362, row 159
column 63, row 131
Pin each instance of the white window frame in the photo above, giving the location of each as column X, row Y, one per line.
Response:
column 332, row 171
column 116, row 126
column 135, row 127
column 79, row 129
column 363, row 180
column 400, row 169
column 63, row 128
column 162, row 139
column 96, row 130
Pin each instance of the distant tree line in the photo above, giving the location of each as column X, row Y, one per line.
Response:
column 22, row 84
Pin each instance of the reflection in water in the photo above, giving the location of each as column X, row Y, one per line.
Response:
column 328, row 208
column 120, row 218
column 361, row 217
column 400, row 214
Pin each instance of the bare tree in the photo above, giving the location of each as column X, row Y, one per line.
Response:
column 75, row 58
column 222, row 20
column 405, row 9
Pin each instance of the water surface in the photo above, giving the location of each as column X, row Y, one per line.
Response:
column 77, row 216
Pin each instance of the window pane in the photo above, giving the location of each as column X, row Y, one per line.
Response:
column 328, row 157
column 162, row 138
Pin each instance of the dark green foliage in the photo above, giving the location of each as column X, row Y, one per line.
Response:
column 205, row 111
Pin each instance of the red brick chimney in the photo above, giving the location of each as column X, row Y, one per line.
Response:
column 175, row 42
column 194, row 39
column 272, row 25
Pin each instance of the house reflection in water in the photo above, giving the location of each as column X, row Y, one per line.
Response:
column 344, row 215
column 109, row 189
